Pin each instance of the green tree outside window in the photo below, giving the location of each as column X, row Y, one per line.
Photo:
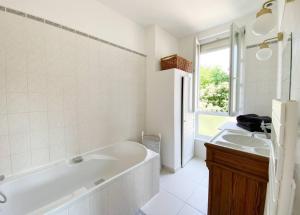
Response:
column 214, row 89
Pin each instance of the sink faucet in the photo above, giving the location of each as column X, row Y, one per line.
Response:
column 264, row 126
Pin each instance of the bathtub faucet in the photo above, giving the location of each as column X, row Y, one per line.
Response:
column 3, row 198
column 77, row 159
column 264, row 126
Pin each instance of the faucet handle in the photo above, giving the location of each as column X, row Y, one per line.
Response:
column 265, row 125
column 2, row 177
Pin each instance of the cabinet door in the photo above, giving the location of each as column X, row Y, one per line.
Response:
column 232, row 193
column 187, row 121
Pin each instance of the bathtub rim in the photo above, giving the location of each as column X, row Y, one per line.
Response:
column 52, row 207
column 71, row 198
column 38, row 169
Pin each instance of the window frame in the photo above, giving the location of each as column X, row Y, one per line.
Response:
column 219, row 36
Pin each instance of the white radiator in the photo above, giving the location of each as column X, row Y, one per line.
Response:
column 281, row 189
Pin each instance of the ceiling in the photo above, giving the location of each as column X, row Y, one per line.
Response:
column 183, row 17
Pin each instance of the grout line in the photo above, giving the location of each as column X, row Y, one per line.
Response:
column 52, row 23
column 35, row 18
column 57, row 25
column 16, row 12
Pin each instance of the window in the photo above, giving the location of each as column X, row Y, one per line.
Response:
column 218, row 86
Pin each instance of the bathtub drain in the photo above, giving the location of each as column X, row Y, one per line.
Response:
column 101, row 180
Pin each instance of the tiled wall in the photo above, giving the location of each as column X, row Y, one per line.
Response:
column 62, row 93
column 260, row 82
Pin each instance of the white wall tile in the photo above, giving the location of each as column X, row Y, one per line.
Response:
column 55, row 119
column 5, row 165
column 3, row 124
column 18, row 123
column 55, row 101
column 17, row 103
column 19, row 143
column 57, row 152
column 39, row 139
column 37, row 82
column 38, row 121
column 70, row 118
column 260, row 83
column 4, row 147
column 2, row 68
column 40, row 157
column 56, row 136
column 2, row 101
column 16, row 81
column 20, row 162
column 60, row 93
column 37, row 102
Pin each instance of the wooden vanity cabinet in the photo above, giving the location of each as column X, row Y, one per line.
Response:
column 237, row 181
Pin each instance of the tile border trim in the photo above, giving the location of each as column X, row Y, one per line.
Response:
column 65, row 28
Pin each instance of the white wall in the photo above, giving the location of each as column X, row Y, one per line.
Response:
column 89, row 16
column 289, row 17
column 159, row 44
column 165, row 44
column 260, row 76
column 62, row 94
column 186, row 47
column 186, row 43
column 260, row 82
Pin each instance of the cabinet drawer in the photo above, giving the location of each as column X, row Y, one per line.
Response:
column 245, row 163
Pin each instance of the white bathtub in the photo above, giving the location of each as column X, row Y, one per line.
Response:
column 117, row 179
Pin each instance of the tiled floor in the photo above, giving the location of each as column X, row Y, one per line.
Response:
column 182, row 193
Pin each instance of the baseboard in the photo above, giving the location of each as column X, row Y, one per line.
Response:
column 170, row 169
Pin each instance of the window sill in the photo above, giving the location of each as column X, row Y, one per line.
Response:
column 203, row 138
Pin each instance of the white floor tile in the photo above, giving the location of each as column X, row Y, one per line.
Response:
column 195, row 171
column 188, row 210
column 163, row 204
column 199, row 199
column 179, row 186
column 182, row 193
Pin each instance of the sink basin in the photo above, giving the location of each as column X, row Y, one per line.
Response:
column 231, row 145
column 262, row 151
column 244, row 140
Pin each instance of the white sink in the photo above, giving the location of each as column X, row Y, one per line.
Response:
column 262, row 151
column 231, row 145
column 244, row 140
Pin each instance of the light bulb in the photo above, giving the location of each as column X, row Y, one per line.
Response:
column 264, row 54
column 264, row 23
